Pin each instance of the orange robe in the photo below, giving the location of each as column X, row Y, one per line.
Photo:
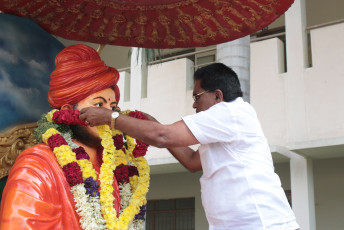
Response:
column 37, row 195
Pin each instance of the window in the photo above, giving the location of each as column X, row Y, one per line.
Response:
column 174, row 214
column 205, row 60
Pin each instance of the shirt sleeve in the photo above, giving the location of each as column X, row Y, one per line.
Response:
column 217, row 124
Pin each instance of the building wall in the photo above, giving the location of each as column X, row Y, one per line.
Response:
column 271, row 91
column 318, row 12
column 329, row 190
column 324, row 81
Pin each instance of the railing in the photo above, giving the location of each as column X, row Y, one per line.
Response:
column 267, row 37
column 325, row 24
column 123, row 69
column 182, row 56
column 174, row 58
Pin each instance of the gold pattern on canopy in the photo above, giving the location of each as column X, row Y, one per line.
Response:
column 150, row 23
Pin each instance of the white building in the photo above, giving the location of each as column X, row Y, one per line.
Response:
column 296, row 87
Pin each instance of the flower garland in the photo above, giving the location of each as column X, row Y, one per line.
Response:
column 123, row 159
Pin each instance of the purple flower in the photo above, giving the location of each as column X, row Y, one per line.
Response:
column 91, row 187
column 141, row 215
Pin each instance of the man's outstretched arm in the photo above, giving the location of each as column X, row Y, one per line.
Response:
column 150, row 132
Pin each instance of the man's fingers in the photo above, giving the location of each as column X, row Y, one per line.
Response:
column 83, row 113
column 94, row 116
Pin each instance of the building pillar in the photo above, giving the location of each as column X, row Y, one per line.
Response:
column 297, row 62
column 138, row 70
column 302, row 188
column 236, row 54
column 296, row 36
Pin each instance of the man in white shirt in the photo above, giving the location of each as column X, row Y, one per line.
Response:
column 240, row 189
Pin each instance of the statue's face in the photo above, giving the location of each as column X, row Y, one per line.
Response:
column 105, row 98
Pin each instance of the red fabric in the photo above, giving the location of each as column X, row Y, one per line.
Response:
column 150, row 23
column 37, row 195
column 79, row 73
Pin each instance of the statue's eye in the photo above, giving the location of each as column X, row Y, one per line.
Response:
column 100, row 104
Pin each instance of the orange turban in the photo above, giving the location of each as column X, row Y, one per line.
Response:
column 79, row 73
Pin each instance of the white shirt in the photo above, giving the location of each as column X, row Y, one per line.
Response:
column 240, row 189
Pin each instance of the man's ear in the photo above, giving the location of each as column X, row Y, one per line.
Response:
column 218, row 95
column 67, row 107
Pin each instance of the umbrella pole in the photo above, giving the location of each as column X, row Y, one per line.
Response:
column 100, row 48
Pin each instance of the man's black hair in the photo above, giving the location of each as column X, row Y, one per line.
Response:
column 219, row 76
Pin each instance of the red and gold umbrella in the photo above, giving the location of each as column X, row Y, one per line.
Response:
column 150, row 23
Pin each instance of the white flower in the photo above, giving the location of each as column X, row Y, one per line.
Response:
column 136, row 225
column 88, row 209
column 125, row 193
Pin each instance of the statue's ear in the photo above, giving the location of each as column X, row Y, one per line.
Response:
column 67, row 107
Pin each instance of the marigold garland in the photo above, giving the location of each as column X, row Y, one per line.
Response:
column 130, row 167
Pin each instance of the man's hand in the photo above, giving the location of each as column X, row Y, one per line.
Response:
column 94, row 116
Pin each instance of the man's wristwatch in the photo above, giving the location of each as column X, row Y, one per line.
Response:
column 114, row 116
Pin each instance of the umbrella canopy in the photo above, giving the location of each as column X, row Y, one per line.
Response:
column 150, row 23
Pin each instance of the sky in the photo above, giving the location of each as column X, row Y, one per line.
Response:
column 27, row 55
